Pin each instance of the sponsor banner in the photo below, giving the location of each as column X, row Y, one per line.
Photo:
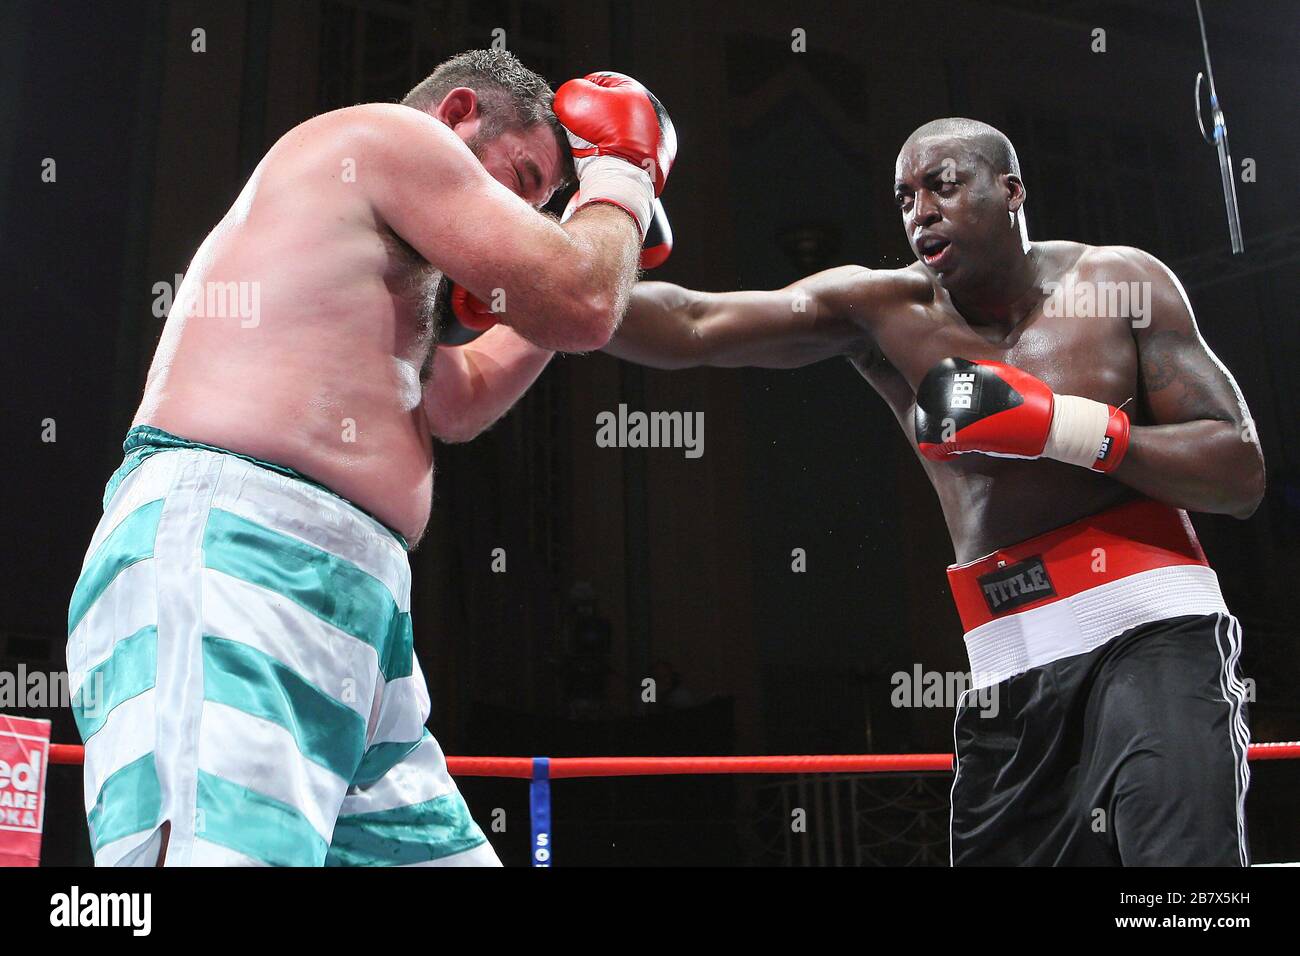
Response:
column 24, row 757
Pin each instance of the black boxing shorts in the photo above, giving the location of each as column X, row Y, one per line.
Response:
column 1105, row 724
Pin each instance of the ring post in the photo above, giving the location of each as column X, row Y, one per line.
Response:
column 539, row 810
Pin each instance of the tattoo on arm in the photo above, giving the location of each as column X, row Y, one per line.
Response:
column 1164, row 365
column 1159, row 362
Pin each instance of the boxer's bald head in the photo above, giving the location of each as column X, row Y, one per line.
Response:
column 958, row 187
column 986, row 143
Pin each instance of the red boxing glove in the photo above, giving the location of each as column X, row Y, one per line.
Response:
column 610, row 114
column 467, row 319
column 622, row 140
column 658, row 243
column 996, row 409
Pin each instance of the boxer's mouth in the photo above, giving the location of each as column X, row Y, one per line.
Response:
column 932, row 249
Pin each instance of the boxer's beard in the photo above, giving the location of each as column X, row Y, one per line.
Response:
column 476, row 144
column 489, row 130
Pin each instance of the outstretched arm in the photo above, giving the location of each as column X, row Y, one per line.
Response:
column 824, row 315
column 1201, row 453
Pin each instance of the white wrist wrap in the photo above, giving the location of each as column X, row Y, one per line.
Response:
column 610, row 179
column 1078, row 427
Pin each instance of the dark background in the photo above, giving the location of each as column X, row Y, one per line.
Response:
column 785, row 167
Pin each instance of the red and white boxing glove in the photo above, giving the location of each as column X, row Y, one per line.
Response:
column 657, row 245
column 623, row 142
column 996, row 409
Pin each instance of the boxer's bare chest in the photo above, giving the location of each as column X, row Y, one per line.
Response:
column 990, row 502
column 1075, row 347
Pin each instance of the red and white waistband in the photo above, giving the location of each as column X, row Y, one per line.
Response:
column 1071, row 590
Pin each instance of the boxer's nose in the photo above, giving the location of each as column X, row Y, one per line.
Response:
column 925, row 210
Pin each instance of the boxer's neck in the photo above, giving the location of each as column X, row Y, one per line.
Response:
column 1011, row 291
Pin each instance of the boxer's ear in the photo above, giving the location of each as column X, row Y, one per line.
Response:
column 460, row 107
column 1016, row 194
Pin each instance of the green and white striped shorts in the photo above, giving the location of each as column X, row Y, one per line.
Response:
column 241, row 661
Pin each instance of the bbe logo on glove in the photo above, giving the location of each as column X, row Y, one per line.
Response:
column 954, row 398
column 990, row 408
column 963, row 390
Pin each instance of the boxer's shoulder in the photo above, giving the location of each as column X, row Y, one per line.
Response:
column 1115, row 263
column 912, row 285
column 384, row 134
column 371, row 117
column 885, row 286
column 871, row 294
column 913, row 281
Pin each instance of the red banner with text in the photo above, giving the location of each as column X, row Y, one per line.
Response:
column 24, row 756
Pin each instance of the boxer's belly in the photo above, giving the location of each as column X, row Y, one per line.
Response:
column 990, row 503
column 364, row 436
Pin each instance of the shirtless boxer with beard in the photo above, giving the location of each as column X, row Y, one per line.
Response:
column 1066, row 439
column 245, row 601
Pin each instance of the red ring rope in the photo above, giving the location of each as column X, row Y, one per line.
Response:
column 522, row 767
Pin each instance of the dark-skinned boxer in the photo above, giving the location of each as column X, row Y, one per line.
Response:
column 1068, row 414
